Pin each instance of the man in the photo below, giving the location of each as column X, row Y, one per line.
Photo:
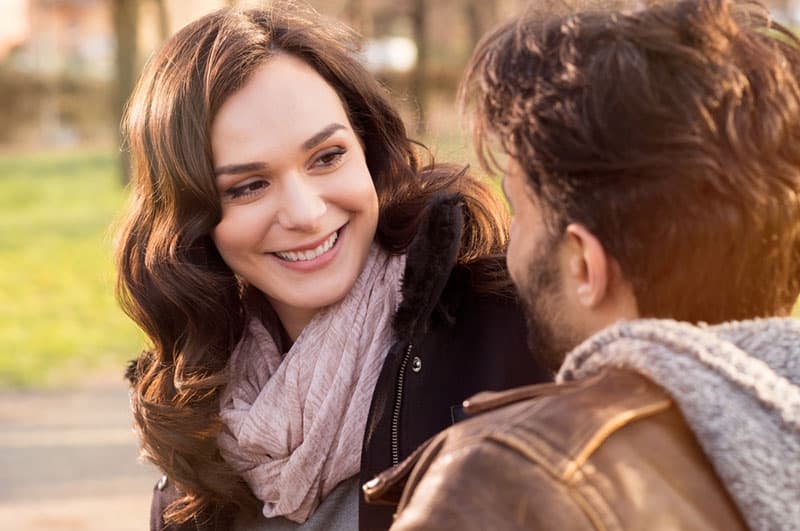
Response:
column 654, row 172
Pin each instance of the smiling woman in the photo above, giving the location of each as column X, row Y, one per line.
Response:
column 299, row 208
column 317, row 304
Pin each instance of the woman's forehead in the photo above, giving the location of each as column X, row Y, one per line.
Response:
column 285, row 102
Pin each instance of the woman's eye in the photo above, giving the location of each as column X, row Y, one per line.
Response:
column 329, row 158
column 246, row 189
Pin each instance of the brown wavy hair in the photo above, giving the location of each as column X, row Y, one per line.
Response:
column 671, row 132
column 172, row 281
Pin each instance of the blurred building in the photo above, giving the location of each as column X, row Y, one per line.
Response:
column 13, row 24
column 66, row 37
column 75, row 38
column 58, row 67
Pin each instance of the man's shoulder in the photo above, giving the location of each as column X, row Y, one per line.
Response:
column 607, row 452
column 551, row 456
column 555, row 426
column 561, row 425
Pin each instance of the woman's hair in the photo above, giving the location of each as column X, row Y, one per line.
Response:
column 672, row 132
column 172, row 281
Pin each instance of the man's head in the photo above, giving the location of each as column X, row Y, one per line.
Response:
column 654, row 163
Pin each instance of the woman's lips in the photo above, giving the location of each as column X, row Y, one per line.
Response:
column 298, row 261
column 309, row 252
column 310, row 246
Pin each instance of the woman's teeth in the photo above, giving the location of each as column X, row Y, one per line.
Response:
column 292, row 256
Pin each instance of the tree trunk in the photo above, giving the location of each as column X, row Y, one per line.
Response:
column 163, row 19
column 354, row 15
column 481, row 15
column 125, row 17
column 419, row 82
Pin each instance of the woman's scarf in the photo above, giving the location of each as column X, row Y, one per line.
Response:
column 293, row 424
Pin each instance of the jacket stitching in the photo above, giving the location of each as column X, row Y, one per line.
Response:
column 556, row 461
column 609, row 427
column 593, row 503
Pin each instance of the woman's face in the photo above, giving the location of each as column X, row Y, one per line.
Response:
column 299, row 208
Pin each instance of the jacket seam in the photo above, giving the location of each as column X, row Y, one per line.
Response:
column 587, row 509
column 607, row 429
column 434, row 459
column 590, row 509
column 534, row 449
column 592, row 503
column 573, row 476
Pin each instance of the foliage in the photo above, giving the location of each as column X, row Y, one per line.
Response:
column 58, row 317
column 40, row 110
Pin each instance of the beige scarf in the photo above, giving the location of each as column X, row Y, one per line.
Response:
column 294, row 424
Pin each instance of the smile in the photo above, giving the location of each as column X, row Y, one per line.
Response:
column 310, row 254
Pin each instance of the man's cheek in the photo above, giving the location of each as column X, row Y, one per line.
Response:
column 513, row 259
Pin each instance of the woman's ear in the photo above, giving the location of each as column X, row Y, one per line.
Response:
column 588, row 264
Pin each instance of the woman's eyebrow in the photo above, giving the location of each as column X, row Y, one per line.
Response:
column 234, row 169
column 323, row 135
column 247, row 167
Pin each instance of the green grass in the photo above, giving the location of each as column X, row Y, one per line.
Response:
column 58, row 318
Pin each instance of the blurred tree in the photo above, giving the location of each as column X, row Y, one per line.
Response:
column 354, row 14
column 419, row 82
column 481, row 15
column 163, row 19
column 125, row 17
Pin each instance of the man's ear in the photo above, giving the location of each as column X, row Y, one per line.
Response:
column 589, row 267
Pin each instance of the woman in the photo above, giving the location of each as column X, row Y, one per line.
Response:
column 317, row 304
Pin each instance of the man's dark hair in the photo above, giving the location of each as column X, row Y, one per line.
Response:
column 671, row 132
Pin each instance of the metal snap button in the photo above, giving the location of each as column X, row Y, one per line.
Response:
column 416, row 364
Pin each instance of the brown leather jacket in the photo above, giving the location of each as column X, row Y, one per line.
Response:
column 611, row 452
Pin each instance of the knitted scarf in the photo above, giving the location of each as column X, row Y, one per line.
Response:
column 738, row 387
column 293, row 424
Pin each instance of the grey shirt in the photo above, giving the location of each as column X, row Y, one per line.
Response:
column 337, row 512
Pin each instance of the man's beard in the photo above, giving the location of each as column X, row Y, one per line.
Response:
column 550, row 337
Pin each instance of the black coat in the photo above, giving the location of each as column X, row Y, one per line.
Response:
column 451, row 343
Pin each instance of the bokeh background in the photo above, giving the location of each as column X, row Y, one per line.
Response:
column 66, row 69
column 67, row 453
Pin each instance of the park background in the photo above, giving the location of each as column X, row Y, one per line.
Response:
column 67, row 453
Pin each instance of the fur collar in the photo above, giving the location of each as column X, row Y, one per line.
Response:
column 430, row 260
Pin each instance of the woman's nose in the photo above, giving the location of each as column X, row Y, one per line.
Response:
column 302, row 207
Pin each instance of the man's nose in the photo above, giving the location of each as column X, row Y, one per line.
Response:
column 302, row 207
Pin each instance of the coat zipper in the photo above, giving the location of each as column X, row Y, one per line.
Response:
column 398, row 402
